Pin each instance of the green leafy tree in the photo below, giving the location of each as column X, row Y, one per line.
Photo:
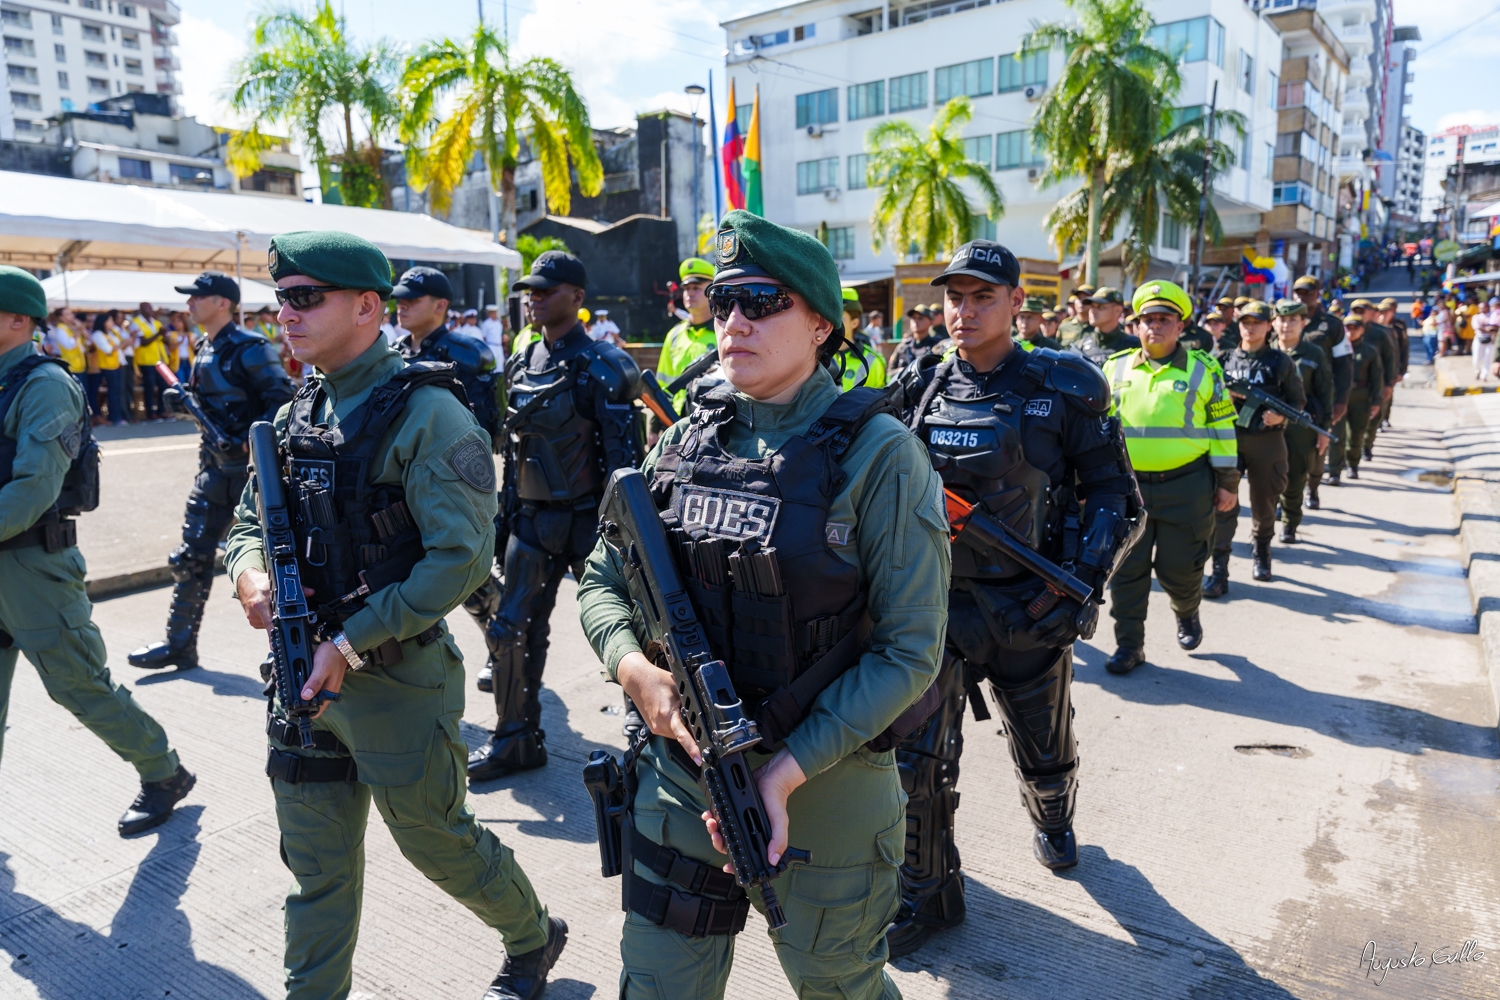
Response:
column 530, row 248
column 1105, row 112
column 306, row 73
column 923, row 204
column 494, row 105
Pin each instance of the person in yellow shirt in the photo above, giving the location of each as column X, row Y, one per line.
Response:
column 150, row 336
column 108, row 347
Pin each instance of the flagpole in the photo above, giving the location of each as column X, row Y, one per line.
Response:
column 713, row 146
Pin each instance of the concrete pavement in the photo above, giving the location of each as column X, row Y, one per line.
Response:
column 1319, row 775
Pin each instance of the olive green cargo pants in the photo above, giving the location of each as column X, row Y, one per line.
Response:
column 852, row 817
column 1179, row 531
column 1262, row 458
column 44, row 608
column 1361, row 426
column 1301, row 457
column 401, row 723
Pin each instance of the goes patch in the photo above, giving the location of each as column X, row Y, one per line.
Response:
column 726, row 513
column 474, row 466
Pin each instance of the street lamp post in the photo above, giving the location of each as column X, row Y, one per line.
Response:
column 695, row 92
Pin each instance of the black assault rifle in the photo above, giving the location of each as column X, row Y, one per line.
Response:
column 713, row 713
column 1257, row 399
column 189, row 400
column 292, row 621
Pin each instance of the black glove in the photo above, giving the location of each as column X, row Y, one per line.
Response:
column 1066, row 622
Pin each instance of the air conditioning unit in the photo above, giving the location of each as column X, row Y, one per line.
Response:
column 831, row 193
column 1034, row 93
column 1032, row 173
column 816, row 131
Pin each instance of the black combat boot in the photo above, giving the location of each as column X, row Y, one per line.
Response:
column 633, row 722
column 1288, row 536
column 1353, row 473
column 1369, row 454
column 1216, row 584
column 155, row 803
column 1333, row 480
column 521, row 749
column 1189, row 631
column 1261, row 560
column 916, row 920
column 486, row 679
column 180, row 648
column 1313, row 503
column 524, row 977
column 1125, row 659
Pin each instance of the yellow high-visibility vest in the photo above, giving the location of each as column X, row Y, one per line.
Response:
column 108, row 360
column 1174, row 414
column 149, row 355
column 73, row 354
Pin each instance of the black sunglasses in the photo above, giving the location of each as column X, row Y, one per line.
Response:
column 756, row 301
column 305, row 297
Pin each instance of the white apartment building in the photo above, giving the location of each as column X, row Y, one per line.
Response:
column 1398, row 76
column 830, row 70
column 63, row 56
column 1411, row 162
column 1477, row 145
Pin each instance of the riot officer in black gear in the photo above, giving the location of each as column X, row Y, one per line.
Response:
column 1026, row 437
column 423, row 296
column 237, row 379
column 570, row 421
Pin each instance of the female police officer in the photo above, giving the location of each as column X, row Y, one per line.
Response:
column 854, row 514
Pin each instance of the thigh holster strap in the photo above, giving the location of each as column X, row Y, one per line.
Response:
column 694, row 876
column 283, row 731
column 685, row 913
column 295, row 769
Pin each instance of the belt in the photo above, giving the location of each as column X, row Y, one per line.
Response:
column 52, row 536
column 295, row 769
column 389, row 653
column 286, row 732
column 1201, row 462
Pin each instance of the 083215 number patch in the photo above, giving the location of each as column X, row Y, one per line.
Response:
column 727, row 514
column 952, row 437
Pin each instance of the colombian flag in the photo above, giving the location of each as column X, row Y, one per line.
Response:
column 750, row 165
column 731, row 151
column 1257, row 270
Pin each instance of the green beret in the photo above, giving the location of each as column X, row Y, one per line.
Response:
column 749, row 246
column 330, row 257
column 21, row 293
column 1290, row 307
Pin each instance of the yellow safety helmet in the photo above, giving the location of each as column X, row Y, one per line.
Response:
column 584, row 315
column 1154, row 296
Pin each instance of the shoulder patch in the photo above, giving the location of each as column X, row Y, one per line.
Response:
column 475, row 466
column 71, row 440
column 1038, row 408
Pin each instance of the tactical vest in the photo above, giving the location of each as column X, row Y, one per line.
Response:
column 556, row 448
column 80, row 486
column 352, row 532
column 776, row 602
column 224, row 397
column 976, row 447
column 475, row 367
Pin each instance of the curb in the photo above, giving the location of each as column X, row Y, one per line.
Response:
column 141, row 579
column 1479, row 540
column 1447, row 388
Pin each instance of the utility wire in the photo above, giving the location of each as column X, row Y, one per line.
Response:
column 1455, row 33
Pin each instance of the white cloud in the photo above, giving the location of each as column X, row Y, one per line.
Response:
column 1474, row 116
column 207, row 52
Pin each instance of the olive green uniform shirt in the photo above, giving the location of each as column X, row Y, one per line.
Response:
column 43, row 419
column 455, row 517
column 898, row 538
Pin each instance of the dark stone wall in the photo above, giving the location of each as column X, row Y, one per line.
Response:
column 629, row 266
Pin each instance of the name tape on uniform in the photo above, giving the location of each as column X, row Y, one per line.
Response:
column 727, row 514
column 949, row 437
column 317, row 470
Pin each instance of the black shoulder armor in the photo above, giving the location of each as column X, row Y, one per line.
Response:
column 1073, row 375
column 470, row 354
column 616, row 371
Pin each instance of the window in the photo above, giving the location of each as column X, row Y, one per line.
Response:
column 1181, row 116
column 804, row 31
column 978, row 150
column 60, row 53
column 139, row 170
column 1019, row 70
column 771, row 38
column 275, row 182
column 742, row 116
column 22, row 74
column 818, row 108
column 96, row 59
column 57, row 24
column 970, row 79
column 127, row 10
column 984, row 228
column 182, row 174
column 1292, row 193
column 129, row 40
column 1270, row 160
column 1195, row 40
column 1013, row 149
column 25, row 102
column 841, row 243
column 917, row 12
column 98, row 86
column 1244, row 154
column 1171, row 233
column 1271, row 89
column 908, row 92
column 859, row 171
column 62, row 79
column 866, row 100
column 16, row 18
column 20, row 47
column 133, row 67
column 815, row 175
column 90, row 4
column 93, row 33
column 1247, row 72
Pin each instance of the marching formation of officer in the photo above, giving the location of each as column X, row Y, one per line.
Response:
column 1105, row 333
column 570, row 421
column 1303, row 445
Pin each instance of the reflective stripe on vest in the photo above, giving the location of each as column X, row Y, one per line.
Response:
column 1165, row 414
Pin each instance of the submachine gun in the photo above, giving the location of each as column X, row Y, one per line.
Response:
column 1257, row 399
column 293, row 623
column 714, row 714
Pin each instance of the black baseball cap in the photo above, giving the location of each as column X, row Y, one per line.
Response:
column 985, row 260
column 212, row 283
column 555, row 268
column 420, row 281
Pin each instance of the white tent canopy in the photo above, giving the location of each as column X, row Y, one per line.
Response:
column 93, row 290
column 132, row 228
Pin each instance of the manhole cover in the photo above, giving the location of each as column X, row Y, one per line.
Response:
column 1441, row 478
column 1279, row 749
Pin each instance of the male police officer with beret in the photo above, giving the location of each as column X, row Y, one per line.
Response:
column 49, row 472
column 391, row 483
column 1025, row 437
column 570, row 422
column 1325, row 330
column 237, row 378
column 1104, row 335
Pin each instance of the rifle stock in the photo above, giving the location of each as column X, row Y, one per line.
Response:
column 973, row 526
column 655, row 399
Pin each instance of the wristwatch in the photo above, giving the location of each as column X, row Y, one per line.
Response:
column 339, row 639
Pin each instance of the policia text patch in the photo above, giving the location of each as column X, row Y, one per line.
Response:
column 727, row 513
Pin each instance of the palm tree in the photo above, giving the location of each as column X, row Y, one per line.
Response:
column 923, row 204
column 497, row 105
column 303, row 71
column 1164, row 178
column 1105, row 111
column 530, row 248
